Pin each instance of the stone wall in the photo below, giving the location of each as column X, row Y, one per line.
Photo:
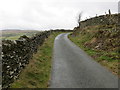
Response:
column 103, row 21
column 16, row 55
column 100, row 20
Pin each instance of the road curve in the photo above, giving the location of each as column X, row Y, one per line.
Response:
column 73, row 68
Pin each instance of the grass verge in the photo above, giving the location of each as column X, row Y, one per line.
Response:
column 102, row 57
column 37, row 72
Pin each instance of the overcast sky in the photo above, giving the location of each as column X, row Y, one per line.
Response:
column 50, row 14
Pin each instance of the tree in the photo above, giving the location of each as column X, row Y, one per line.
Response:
column 79, row 18
column 109, row 12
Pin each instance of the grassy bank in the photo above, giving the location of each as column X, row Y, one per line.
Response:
column 37, row 73
column 107, row 58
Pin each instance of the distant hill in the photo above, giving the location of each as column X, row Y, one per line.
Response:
column 17, row 31
column 12, row 34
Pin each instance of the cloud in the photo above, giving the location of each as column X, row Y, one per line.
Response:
column 50, row 14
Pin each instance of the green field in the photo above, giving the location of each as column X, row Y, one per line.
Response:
column 15, row 34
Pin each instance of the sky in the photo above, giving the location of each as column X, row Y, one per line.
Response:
column 50, row 14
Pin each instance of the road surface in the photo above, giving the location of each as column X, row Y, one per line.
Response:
column 73, row 68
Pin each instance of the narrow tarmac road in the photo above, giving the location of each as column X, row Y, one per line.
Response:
column 73, row 68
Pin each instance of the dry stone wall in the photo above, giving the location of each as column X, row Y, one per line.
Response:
column 16, row 55
column 100, row 20
column 103, row 21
